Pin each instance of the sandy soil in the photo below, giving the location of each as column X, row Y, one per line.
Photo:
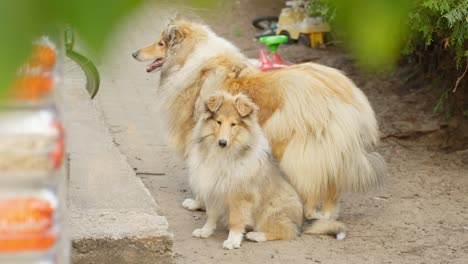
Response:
column 420, row 215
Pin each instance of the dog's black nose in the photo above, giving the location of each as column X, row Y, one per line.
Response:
column 135, row 54
column 222, row 143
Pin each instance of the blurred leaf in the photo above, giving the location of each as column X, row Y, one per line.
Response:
column 94, row 20
column 22, row 21
column 19, row 24
column 374, row 29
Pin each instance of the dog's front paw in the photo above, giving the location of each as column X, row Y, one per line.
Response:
column 191, row 204
column 202, row 232
column 231, row 244
column 233, row 241
column 341, row 235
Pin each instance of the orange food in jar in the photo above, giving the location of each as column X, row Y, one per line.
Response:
column 16, row 244
column 25, row 216
column 25, row 224
column 32, row 87
column 43, row 56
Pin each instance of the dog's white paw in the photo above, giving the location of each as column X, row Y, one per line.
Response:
column 341, row 235
column 191, row 204
column 231, row 244
column 233, row 241
column 256, row 236
column 202, row 232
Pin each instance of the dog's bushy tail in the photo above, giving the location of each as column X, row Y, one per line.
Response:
column 325, row 227
column 369, row 172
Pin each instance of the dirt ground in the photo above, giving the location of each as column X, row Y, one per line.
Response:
column 420, row 215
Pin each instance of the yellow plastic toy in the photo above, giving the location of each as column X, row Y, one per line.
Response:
column 294, row 23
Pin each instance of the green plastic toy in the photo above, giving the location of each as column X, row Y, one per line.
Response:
column 273, row 42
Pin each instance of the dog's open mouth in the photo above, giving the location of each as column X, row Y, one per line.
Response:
column 154, row 65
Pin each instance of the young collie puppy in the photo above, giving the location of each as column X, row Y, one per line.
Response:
column 232, row 172
column 320, row 126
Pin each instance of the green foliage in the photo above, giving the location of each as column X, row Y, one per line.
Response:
column 372, row 29
column 443, row 22
column 439, row 33
column 321, row 8
column 432, row 32
column 22, row 21
column 377, row 30
column 238, row 32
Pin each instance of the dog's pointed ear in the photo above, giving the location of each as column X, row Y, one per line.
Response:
column 175, row 16
column 173, row 34
column 244, row 105
column 213, row 103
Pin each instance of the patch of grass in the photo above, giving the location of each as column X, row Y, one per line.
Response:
column 238, row 32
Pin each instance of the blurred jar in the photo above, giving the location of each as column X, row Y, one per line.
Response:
column 32, row 177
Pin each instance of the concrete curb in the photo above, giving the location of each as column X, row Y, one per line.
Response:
column 112, row 216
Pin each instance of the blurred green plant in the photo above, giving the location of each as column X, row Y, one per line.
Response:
column 378, row 31
column 430, row 33
column 373, row 30
column 23, row 21
column 321, row 8
column 440, row 22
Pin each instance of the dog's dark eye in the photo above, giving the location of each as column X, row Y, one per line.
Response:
column 160, row 43
column 233, row 124
column 219, row 122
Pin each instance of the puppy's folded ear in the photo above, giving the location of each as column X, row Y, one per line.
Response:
column 213, row 103
column 244, row 105
column 173, row 34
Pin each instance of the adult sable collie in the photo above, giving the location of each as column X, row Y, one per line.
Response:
column 320, row 126
column 232, row 172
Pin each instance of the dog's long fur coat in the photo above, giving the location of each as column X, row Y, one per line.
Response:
column 320, row 126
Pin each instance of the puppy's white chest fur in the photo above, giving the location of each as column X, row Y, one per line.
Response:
column 217, row 172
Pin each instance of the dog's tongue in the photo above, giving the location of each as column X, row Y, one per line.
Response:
column 154, row 65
